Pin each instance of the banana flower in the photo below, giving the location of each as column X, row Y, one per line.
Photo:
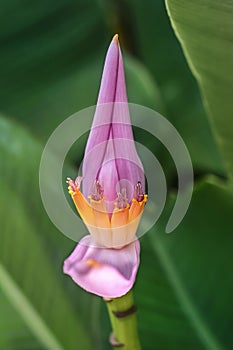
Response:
column 109, row 196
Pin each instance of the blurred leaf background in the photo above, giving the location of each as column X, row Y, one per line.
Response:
column 51, row 60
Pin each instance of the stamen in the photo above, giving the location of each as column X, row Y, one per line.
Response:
column 122, row 199
column 74, row 184
column 97, row 191
column 78, row 181
column 138, row 193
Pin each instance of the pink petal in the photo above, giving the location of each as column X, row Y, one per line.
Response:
column 115, row 270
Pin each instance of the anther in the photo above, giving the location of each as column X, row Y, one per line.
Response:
column 122, row 199
column 138, row 193
column 74, row 184
column 97, row 191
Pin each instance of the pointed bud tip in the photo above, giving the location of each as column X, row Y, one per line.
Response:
column 116, row 38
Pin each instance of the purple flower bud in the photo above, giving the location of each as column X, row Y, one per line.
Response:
column 113, row 199
column 110, row 156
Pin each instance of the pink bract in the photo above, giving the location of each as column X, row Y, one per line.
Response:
column 110, row 155
column 107, row 272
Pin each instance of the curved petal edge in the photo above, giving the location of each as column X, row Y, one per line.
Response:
column 106, row 272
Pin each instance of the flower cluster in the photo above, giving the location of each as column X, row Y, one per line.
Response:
column 112, row 197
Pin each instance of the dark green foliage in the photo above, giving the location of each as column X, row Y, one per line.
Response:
column 51, row 60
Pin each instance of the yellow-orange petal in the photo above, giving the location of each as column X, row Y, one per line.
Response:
column 119, row 224
column 100, row 214
column 84, row 208
column 120, row 217
column 136, row 208
column 101, row 228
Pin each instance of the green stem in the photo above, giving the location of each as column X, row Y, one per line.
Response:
column 124, row 327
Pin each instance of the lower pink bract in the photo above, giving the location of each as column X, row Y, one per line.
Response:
column 105, row 272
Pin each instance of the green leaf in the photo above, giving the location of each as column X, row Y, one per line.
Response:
column 204, row 29
column 42, row 46
column 14, row 333
column 52, row 54
column 158, row 49
column 185, row 284
column 142, row 89
column 31, row 254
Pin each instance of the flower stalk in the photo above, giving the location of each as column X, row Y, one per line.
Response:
column 122, row 314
